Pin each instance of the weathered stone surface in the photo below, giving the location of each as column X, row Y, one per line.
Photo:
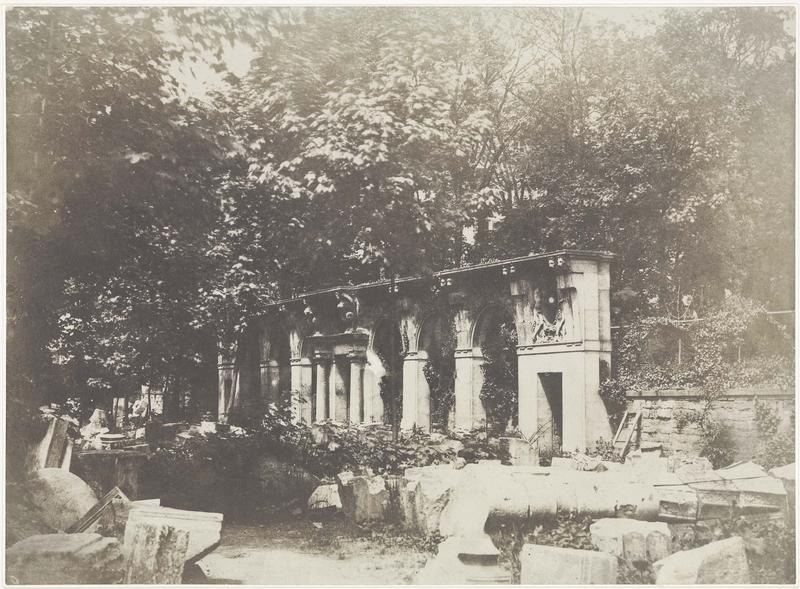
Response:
column 325, row 497
column 566, row 463
column 758, row 490
column 364, row 498
column 550, row 565
column 155, row 553
column 630, row 538
column 461, row 561
column 61, row 497
column 722, row 562
column 203, row 527
column 424, row 494
column 65, row 559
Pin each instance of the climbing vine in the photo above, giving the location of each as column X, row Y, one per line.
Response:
column 440, row 374
column 499, row 392
column 736, row 345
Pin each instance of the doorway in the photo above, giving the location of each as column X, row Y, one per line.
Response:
column 551, row 409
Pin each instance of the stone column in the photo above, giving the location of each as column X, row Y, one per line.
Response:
column 357, row 413
column 323, row 363
column 300, row 387
column 226, row 386
column 465, row 417
column 413, row 382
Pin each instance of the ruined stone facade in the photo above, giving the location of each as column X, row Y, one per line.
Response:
column 328, row 350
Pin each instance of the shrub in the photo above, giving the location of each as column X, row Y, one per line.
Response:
column 775, row 448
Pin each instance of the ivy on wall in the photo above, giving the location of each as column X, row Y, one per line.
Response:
column 499, row 392
column 738, row 344
column 440, row 374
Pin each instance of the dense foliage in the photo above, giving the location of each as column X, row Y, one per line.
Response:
column 500, row 389
column 148, row 221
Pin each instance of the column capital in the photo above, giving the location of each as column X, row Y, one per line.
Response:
column 357, row 357
column 323, row 357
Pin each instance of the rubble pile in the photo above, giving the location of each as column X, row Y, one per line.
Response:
column 61, row 532
column 638, row 511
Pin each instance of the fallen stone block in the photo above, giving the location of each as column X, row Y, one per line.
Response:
column 425, row 492
column 55, row 448
column 325, row 497
column 722, row 562
column 202, row 527
column 155, row 552
column 758, row 491
column 65, row 559
column 631, row 539
column 61, row 497
column 550, row 565
column 786, row 474
column 363, row 498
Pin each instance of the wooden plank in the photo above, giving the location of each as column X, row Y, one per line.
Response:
column 96, row 511
column 634, row 425
column 619, row 428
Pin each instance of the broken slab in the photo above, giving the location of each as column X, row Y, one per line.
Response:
column 155, row 553
column 364, row 498
column 424, row 493
column 61, row 497
column 631, row 539
column 758, row 491
column 65, row 559
column 203, row 527
column 55, row 448
column 722, row 562
column 325, row 497
column 551, row 565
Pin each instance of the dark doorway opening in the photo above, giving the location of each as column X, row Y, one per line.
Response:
column 551, row 408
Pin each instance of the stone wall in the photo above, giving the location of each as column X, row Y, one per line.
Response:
column 662, row 410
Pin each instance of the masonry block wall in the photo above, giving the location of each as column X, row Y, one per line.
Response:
column 662, row 411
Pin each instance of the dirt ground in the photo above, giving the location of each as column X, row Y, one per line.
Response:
column 301, row 551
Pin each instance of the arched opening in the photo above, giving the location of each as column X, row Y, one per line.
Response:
column 495, row 335
column 437, row 339
column 386, row 367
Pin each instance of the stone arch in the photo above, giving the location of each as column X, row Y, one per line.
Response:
column 485, row 320
column 436, row 400
column 496, row 383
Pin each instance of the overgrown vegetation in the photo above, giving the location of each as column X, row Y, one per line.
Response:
column 500, row 388
column 775, row 444
column 226, row 472
column 440, row 373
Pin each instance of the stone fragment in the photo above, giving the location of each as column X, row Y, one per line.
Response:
column 363, row 498
column 202, row 527
column 722, row 562
column 55, row 448
column 60, row 497
column 658, row 545
column 425, row 492
column 630, row 539
column 550, row 565
column 65, row 559
column 786, row 474
column 155, row 553
column 325, row 497
column 758, row 491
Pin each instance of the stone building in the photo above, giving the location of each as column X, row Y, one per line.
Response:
column 329, row 351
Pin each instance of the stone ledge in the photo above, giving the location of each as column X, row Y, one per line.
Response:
column 696, row 393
